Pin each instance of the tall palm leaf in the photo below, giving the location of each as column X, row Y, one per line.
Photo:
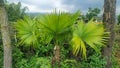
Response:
column 90, row 33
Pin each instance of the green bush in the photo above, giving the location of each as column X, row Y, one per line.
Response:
column 1, row 56
column 115, row 62
column 34, row 62
column 93, row 61
column 116, row 47
column 43, row 63
column 69, row 63
column 45, row 50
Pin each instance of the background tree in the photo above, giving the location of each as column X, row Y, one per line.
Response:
column 5, row 36
column 15, row 11
column 92, row 13
column 118, row 19
column 109, row 21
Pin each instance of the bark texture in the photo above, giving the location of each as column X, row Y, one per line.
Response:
column 109, row 21
column 56, row 58
column 5, row 36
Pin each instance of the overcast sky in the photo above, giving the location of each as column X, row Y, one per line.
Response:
column 44, row 6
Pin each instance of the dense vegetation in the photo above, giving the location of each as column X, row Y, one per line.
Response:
column 77, row 43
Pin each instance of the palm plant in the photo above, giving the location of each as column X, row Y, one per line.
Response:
column 27, row 31
column 57, row 26
column 90, row 33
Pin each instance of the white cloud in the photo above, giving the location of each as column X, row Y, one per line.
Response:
column 32, row 8
column 63, row 5
column 118, row 10
column 44, row 5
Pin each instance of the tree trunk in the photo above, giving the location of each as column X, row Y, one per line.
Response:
column 109, row 21
column 5, row 36
column 56, row 58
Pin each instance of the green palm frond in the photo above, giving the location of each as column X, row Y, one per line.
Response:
column 90, row 33
column 27, row 31
column 57, row 25
column 77, row 45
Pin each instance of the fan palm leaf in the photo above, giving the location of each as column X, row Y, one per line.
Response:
column 91, row 34
column 57, row 25
column 27, row 31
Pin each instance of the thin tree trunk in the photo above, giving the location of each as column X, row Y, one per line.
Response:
column 5, row 36
column 109, row 21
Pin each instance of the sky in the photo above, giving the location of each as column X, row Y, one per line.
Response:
column 47, row 6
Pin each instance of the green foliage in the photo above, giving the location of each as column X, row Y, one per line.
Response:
column 15, row 11
column 35, row 62
column 27, row 31
column 117, row 33
column 45, row 50
column 43, row 63
column 22, row 64
column 57, row 25
column 69, row 63
column 18, row 57
column 56, row 28
column 17, row 54
column 1, row 56
column 20, row 61
column 87, row 34
column 118, row 19
column 115, row 55
column 92, row 13
column 50, row 27
column 116, row 48
column 65, row 52
column 94, row 61
column 97, row 61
